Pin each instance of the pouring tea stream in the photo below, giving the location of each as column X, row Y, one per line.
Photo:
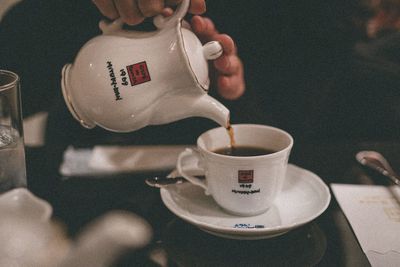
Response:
column 124, row 80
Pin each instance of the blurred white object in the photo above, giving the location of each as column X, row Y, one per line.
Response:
column 5, row 5
column 76, row 162
column 30, row 239
column 26, row 234
column 106, row 238
column 135, row 158
column 34, row 129
column 103, row 160
column 22, row 202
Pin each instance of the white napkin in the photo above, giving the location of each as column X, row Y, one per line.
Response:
column 374, row 214
column 76, row 162
column 119, row 159
column 134, row 158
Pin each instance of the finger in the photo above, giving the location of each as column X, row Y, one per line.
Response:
column 197, row 24
column 129, row 11
column 228, row 65
column 231, row 87
column 197, row 7
column 167, row 11
column 172, row 2
column 204, row 28
column 150, row 8
column 107, row 8
column 228, row 45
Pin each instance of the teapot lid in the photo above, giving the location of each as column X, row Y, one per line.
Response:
column 198, row 55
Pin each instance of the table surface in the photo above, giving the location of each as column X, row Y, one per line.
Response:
column 326, row 241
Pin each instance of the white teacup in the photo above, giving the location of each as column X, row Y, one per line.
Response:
column 242, row 185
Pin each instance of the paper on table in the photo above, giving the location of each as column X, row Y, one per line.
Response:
column 134, row 158
column 117, row 159
column 374, row 214
column 76, row 162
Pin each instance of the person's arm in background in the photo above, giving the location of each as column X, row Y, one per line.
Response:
column 229, row 68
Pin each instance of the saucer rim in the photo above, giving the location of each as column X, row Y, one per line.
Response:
column 246, row 232
column 245, row 237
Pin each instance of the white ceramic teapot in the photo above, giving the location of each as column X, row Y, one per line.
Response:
column 30, row 238
column 124, row 80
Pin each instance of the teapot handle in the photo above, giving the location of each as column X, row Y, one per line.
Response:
column 159, row 21
column 162, row 22
column 194, row 158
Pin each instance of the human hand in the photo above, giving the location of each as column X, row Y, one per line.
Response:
column 134, row 12
column 229, row 67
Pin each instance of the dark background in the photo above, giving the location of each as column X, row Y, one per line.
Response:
column 302, row 75
column 301, row 71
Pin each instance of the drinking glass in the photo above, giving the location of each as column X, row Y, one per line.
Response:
column 12, row 152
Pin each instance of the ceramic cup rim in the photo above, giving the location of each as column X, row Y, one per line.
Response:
column 14, row 79
column 275, row 154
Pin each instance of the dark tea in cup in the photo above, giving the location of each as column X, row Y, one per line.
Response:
column 243, row 151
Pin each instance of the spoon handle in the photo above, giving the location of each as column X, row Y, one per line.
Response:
column 163, row 181
column 377, row 166
column 384, row 172
column 160, row 182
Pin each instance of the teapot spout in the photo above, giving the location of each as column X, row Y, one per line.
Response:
column 205, row 106
column 208, row 107
column 105, row 239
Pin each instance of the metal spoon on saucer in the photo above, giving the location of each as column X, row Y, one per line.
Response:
column 376, row 161
column 160, row 182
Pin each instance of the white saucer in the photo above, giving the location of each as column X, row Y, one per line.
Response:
column 303, row 198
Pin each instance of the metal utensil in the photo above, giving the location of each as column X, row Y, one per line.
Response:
column 160, row 182
column 376, row 161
